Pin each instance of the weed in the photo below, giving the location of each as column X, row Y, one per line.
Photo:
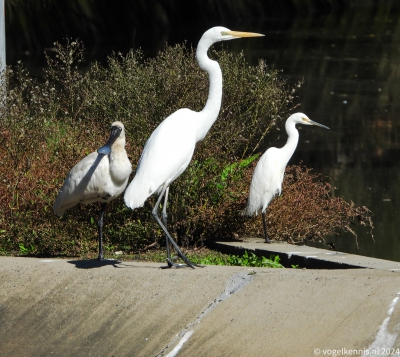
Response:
column 26, row 250
column 210, row 257
column 252, row 260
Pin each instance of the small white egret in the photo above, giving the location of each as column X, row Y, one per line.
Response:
column 100, row 177
column 170, row 148
column 268, row 174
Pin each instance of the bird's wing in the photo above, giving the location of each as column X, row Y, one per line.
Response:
column 82, row 184
column 266, row 181
column 166, row 155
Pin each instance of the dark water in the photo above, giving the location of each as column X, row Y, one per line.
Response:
column 349, row 61
column 351, row 71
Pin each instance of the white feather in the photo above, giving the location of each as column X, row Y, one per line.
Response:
column 165, row 156
column 268, row 175
column 96, row 177
column 170, row 148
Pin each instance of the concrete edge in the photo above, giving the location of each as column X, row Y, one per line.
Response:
column 304, row 256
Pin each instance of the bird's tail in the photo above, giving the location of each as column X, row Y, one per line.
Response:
column 258, row 201
column 250, row 210
column 59, row 206
column 136, row 194
column 253, row 203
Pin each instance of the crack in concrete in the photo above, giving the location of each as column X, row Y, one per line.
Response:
column 384, row 340
column 235, row 284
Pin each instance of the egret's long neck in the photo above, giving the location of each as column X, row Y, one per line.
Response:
column 292, row 141
column 211, row 110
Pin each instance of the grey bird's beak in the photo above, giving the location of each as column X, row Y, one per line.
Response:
column 114, row 134
column 318, row 124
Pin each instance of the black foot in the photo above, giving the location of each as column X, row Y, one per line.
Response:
column 187, row 261
column 188, row 264
column 100, row 258
column 175, row 265
column 268, row 241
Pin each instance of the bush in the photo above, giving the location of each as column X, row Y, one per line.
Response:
column 47, row 126
column 307, row 210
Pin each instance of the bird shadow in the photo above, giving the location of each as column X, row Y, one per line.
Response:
column 92, row 264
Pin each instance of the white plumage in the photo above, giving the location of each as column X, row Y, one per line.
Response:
column 99, row 177
column 268, row 175
column 165, row 156
column 265, row 183
column 170, row 148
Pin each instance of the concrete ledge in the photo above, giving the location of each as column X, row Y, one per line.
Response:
column 304, row 256
column 74, row 308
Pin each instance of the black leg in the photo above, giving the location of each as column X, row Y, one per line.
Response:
column 165, row 222
column 182, row 256
column 265, row 228
column 100, row 229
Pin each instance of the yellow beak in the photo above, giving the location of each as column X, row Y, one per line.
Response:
column 242, row 34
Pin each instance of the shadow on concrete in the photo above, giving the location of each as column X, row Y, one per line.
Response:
column 90, row 264
column 94, row 263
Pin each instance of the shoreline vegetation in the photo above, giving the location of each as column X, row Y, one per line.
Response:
column 48, row 124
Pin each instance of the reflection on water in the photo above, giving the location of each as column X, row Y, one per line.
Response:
column 349, row 62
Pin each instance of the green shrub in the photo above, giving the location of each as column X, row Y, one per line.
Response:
column 47, row 126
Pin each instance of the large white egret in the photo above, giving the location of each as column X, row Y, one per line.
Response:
column 268, row 175
column 170, row 148
column 100, row 177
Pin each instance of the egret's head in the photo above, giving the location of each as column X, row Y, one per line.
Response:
column 220, row 33
column 117, row 136
column 301, row 118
